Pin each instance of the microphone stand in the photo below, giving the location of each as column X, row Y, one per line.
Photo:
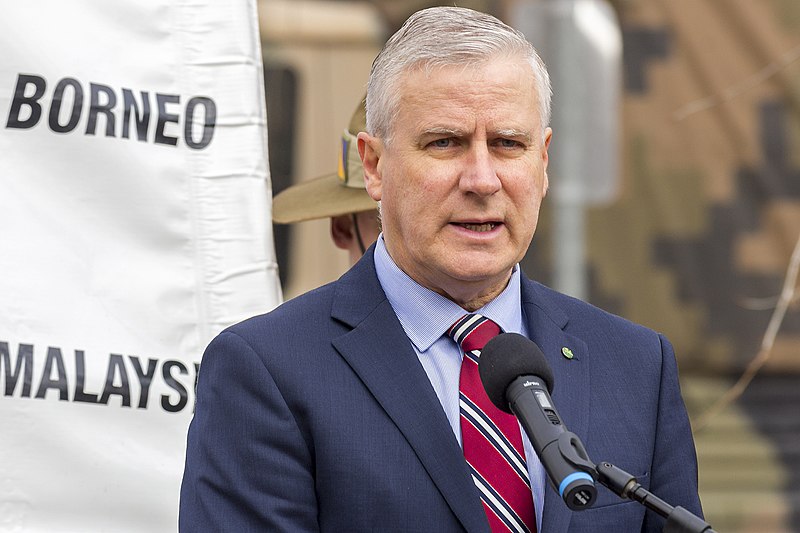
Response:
column 624, row 485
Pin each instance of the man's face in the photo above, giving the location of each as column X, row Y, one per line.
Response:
column 463, row 177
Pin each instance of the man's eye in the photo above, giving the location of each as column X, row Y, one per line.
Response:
column 442, row 143
column 508, row 143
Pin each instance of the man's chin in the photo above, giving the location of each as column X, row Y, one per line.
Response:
column 478, row 275
column 484, row 264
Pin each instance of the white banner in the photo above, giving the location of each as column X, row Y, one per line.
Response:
column 134, row 225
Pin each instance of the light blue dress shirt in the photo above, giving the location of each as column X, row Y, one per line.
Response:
column 426, row 317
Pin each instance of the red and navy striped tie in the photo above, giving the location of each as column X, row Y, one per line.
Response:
column 491, row 438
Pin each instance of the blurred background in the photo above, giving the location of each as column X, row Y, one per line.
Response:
column 675, row 197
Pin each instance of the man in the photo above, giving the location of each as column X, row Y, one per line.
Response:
column 340, row 196
column 352, row 408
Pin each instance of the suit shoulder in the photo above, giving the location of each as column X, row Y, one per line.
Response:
column 580, row 317
column 303, row 311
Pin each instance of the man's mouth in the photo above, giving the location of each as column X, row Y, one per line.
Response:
column 487, row 226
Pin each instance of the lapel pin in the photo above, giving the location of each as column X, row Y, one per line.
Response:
column 566, row 352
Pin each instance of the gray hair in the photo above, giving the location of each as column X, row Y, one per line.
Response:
column 443, row 37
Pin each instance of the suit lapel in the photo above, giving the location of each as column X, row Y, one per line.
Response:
column 379, row 351
column 546, row 322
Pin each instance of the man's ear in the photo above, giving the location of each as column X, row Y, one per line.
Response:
column 370, row 149
column 342, row 232
column 548, row 136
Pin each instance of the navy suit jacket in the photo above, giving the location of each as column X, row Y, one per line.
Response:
column 318, row 416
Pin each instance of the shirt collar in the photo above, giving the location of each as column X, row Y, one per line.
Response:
column 426, row 315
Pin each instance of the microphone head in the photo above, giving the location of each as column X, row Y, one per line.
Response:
column 506, row 357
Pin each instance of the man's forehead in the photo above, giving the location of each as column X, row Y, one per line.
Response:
column 427, row 104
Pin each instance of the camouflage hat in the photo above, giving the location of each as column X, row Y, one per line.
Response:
column 333, row 194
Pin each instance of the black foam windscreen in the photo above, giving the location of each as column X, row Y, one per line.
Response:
column 506, row 357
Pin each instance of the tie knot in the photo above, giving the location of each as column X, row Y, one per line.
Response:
column 473, row 331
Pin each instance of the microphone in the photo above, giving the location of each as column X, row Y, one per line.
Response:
column 518, row 380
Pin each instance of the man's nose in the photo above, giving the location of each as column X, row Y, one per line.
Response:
column 480, row 173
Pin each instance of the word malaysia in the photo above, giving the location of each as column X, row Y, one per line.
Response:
column 65, row 108
column 66, row 378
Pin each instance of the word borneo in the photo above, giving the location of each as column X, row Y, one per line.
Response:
column 119, row 111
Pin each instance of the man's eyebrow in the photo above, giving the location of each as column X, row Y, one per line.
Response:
column 522, row 135
column 514, row 134
column 441, row 130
